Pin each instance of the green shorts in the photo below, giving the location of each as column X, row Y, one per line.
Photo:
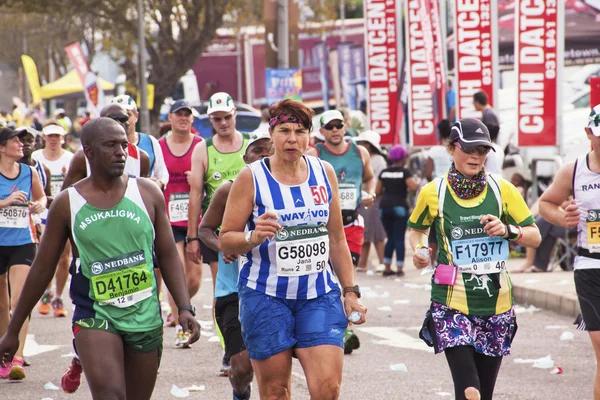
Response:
column 140, row 342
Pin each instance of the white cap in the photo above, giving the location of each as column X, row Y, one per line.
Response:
column 316, row 134
column 28, row 129
column 59, row 111
column 54, row 130
column 331, row 115
column 220, row 101
column 370, row 137
column 594, row 121
column 256, row 137
column 126, row 101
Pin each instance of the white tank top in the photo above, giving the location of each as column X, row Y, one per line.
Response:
column 58, row 168
column 586, row 191
column 133, row 165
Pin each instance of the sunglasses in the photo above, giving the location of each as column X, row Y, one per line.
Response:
column 219, row 119
column 119, row 118
column 336, row 126
column 481, row 150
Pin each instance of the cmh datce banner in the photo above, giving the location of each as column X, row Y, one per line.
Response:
column 539, row 35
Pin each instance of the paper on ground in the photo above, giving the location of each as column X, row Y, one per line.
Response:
column 543, row 362
column 51, row 386
column 179, row 393
column 567, row 336
column 404, row 301
column 195, row 388
column 398, row 367
column 214, row 339
column 384, row 308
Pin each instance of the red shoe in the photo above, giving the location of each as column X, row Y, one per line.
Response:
column 71, row 380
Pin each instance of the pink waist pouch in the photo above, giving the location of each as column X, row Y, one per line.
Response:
column 445, row 274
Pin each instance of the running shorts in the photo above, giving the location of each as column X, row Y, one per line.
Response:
column 271, row 325
column 179, row 233
column 139, row 342
column 16, row 255
column 227, row 309
column 587, row 285
column 208, row 254
column 355, row 237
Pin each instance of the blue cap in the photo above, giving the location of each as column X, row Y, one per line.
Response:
column 180, row 105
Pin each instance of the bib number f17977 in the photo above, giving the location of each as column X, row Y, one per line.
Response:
column 302, row 250
column 476, row 253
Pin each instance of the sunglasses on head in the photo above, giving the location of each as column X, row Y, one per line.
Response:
column 481, row 150
column 219, row 119
column 119, row 118
column 329, row 127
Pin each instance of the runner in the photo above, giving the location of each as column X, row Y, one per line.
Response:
column 177, row 149
column 117, row 320
column 471, row 318
column 57, row 160
column 138, row 162
column 158, row 170
column 21, row 195
column 289, row 308
column 353, row 177
column 581, row 180
column 28, row 136
column 226, row 287
column 214, row 161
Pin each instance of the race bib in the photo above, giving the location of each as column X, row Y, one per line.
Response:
column 302, row 250
column 14, row 217
column 348, row 198
column 121, row 281
column 178, row 207
column 56, row 182
column 593, row 230
column 476, row 253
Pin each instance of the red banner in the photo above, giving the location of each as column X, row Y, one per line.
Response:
column 537, row 62
column 77, row 60
column 474, row 56
column 438, row 53
column 422, row 115
column 381, row 52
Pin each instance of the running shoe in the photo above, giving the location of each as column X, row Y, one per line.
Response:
column 45, row 306
column 246, row 395
column 181, row 338
column 170, row 321
column 17, row 373
column 5, row 371
column 71, row 380
column 351, row 341
column 59, row 308
column 226, row 366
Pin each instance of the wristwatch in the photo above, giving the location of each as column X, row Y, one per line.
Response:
column 189, row 308
column 191, row 239
column 353, row 289
column 248, row 238
column 512, row 232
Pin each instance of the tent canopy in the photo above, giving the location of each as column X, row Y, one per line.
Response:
column 70, row 84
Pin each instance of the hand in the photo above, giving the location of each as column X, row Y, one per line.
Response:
column 192, row 251
column 18, row 197
column 158, row 183
column 36, row 208
column 229, row 258
column 352, row 303
column 188, row 175
column 190, row 324
column 493, row 226
column 420, row 261
column 8, row 347
column 368, row 201
column 266, row 226
column 572, row 214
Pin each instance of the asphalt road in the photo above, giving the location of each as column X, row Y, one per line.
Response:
column 390, row 337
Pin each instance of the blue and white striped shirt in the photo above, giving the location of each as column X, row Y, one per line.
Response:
column 305, row 204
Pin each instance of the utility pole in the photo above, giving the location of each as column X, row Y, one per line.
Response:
column 283, row 34
column 343, row 20
column 143, row 83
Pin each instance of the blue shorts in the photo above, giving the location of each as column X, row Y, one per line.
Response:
column 271, row 325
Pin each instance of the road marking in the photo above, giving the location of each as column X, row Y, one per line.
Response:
column 395, row 338
column 33, row 348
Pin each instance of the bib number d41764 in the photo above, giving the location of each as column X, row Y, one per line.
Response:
column 302, row 250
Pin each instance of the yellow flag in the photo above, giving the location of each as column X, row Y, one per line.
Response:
column 150, row 88
column 32, row 78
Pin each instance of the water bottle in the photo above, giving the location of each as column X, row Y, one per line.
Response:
column 424, row 251
column 354, row 316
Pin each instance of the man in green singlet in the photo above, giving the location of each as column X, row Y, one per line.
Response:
column 113, row 222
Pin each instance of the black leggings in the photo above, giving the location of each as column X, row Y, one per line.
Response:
column 471, row 369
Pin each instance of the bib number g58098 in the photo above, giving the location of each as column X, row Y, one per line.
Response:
column 302, row 250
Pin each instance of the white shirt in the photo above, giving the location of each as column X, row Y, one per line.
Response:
column 441, row 160
column 495, row 160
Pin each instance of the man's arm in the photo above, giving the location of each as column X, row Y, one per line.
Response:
column 558, row 192
column 48, row 187
column 144, row 164
column 192, row 250
column 312, row 151
column 213, row 218
column 77, row 170
column 161, row 173
column 368, row 177
column 429, row 169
